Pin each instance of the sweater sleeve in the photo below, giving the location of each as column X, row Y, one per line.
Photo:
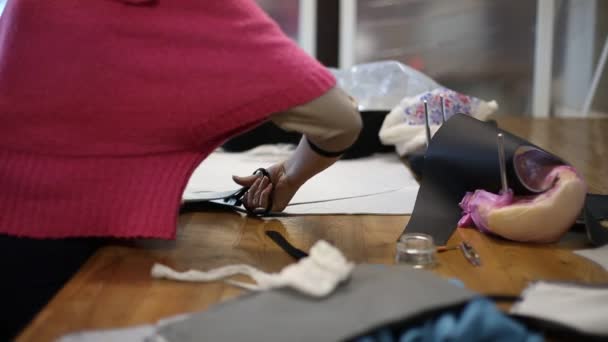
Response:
column 330, row 122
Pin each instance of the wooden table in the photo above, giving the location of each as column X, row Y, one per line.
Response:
column 114, row 289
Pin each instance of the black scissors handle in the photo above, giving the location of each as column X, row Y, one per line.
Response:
column 236, row 199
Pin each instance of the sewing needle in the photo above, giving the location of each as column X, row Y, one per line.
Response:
column 443, row 118
column 428, row 126
column 501, row 163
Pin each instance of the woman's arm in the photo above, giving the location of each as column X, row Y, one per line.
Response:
column 330, row 124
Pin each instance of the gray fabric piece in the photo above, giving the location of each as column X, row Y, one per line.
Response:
column 375, row 295
column 133, row 334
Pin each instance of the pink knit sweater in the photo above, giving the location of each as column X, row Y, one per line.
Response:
column 107, row 106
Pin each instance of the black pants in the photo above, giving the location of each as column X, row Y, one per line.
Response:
column 32, row 271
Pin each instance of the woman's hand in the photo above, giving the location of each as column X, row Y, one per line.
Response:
column 276, row 191
column 285, row 179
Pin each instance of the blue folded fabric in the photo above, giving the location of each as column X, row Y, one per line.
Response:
column 480, row 320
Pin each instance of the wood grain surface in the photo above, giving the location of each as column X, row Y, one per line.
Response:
column 114, row 288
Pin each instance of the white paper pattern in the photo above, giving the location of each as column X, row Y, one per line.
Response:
column 380, row 184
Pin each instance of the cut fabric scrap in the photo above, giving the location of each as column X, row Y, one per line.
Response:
column 282, row 242
column 142, row 333
column 139, row 333
column 316, row 275
column 353, row 310
column 598, row 255
column 404, row 126
column 587, row 305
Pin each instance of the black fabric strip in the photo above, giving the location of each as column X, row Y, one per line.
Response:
column 285, row 245
column 596, row 210
column 503, row 298
column 323, row 152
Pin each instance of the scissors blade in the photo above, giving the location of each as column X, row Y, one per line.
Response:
column 203, row 196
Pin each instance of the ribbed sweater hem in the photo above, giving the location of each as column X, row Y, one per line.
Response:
column 62, row 196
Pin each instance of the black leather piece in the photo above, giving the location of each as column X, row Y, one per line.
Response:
column 596, row 210
column 461, row 157
column 415, row 161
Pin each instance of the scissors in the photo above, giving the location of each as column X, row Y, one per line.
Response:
column 235, row 197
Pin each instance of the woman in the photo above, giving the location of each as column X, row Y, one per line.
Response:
column 106, row 108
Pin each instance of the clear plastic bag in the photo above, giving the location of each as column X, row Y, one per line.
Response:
column 399, row 90
column 382, row 85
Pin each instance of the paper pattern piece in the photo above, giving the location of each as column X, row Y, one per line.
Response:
column 380, row 184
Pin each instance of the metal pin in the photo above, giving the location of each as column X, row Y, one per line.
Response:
column 470, row 254
column 428, row 126
column 443, row 118
column 501, row 163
